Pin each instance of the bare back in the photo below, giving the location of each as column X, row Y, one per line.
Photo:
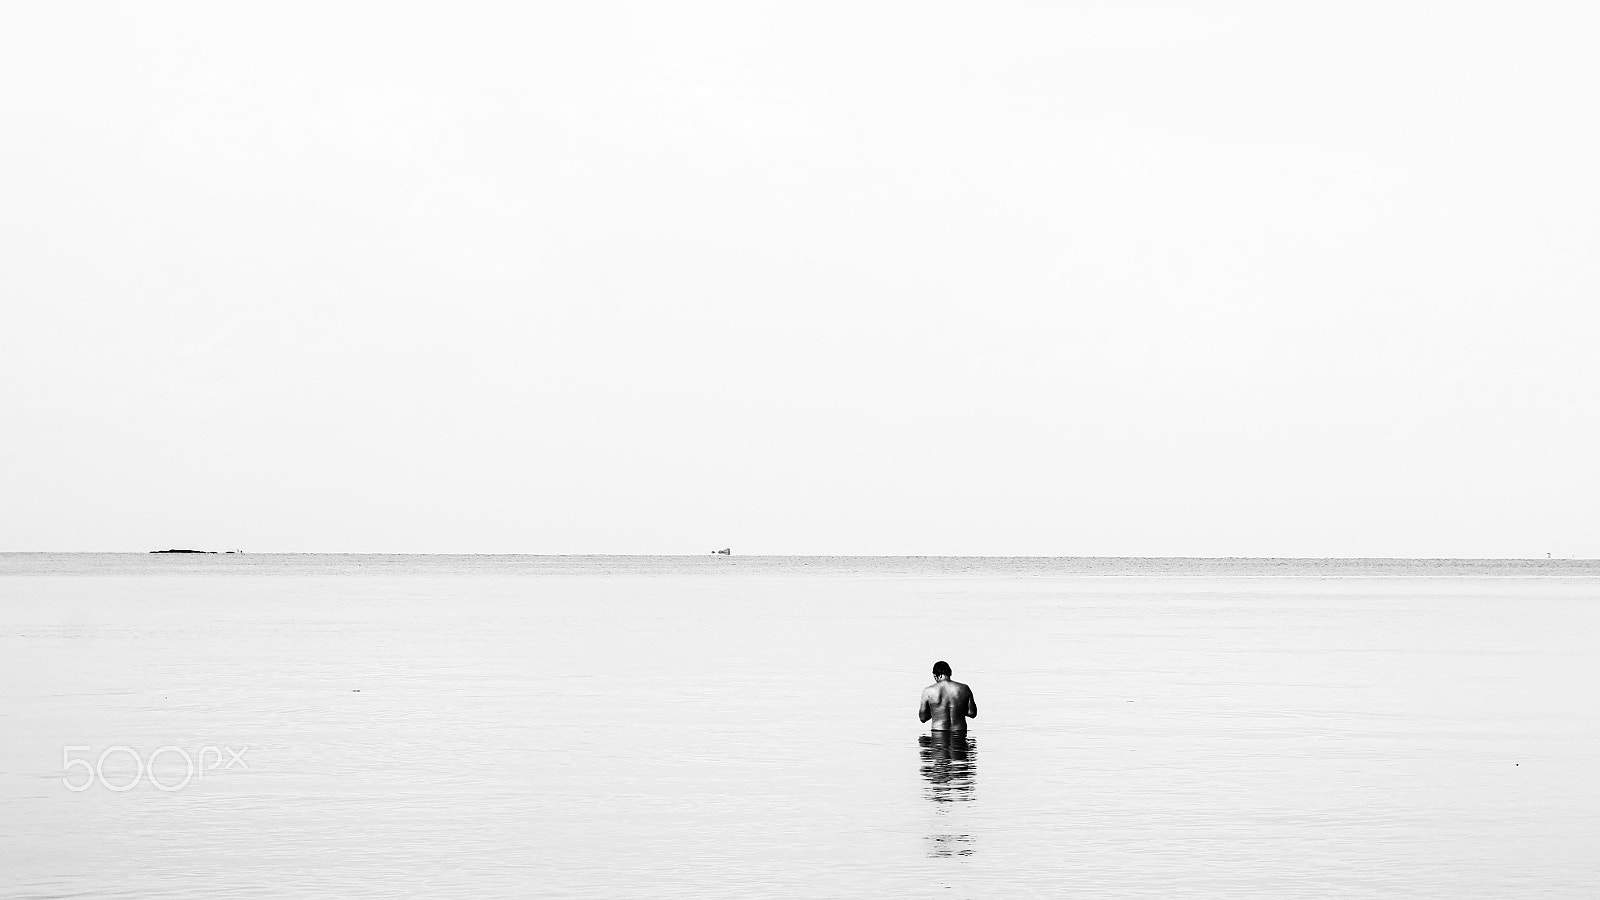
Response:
column 947, row 705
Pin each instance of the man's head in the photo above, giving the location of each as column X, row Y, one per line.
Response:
column 941, row 668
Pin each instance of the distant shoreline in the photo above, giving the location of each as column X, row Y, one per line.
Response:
column 798, row 556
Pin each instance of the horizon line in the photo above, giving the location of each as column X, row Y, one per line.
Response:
column 794, row 555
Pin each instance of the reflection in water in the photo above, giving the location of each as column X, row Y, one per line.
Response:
column 950, row 766
column 947, row 845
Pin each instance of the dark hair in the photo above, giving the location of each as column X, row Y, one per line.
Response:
column 941, row 668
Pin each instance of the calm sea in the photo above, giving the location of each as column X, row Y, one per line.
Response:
column 600, row 727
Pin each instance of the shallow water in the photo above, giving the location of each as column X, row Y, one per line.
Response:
column 733, row 727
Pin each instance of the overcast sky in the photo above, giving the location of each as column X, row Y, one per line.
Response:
column 1066, row 279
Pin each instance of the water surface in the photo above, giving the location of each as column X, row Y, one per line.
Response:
column 735, row 727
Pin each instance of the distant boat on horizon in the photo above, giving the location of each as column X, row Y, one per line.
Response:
column 723, row 552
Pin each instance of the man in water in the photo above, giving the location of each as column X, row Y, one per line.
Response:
column 948, row 703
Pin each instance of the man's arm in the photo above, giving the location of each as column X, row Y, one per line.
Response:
column 972, row 705
column 923, row 712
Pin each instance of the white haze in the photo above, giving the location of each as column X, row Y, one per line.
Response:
column 1079, row 278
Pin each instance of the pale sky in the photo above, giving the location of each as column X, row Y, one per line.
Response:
column 1223, row 279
